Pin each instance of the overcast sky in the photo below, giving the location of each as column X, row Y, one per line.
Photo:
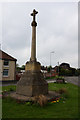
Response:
column 57, row 30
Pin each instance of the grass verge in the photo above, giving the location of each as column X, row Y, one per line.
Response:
column 64, row 109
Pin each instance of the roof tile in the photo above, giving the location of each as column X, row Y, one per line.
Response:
column 5, row 56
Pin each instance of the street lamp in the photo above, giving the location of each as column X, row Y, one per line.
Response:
column 58, row 68
column 50, row 62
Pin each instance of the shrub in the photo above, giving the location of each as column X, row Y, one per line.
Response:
column 62, row 90
column 11, row 89
column 28, row 103
column 41, row 100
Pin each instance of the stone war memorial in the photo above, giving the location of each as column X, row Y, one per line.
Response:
column 32, row 82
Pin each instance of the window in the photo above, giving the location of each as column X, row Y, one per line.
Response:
column 6, row 63
column 5, row 72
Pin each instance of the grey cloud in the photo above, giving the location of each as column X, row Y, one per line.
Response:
column 56, row 31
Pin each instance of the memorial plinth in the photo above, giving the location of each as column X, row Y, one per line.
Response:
column 32, row 82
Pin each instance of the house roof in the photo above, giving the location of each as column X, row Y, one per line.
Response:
column 65, row 64
column 5, row 56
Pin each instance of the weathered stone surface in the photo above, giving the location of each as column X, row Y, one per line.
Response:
column 32, row 83
column 33, row 66
column 50, row 95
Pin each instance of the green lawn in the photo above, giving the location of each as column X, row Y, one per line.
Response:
column 67, row 109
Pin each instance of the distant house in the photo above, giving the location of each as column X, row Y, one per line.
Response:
column 65, row 65
column 7, row 67
column 56, row 70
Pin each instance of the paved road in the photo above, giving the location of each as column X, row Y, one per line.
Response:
column 74, row 80
column 8, row 83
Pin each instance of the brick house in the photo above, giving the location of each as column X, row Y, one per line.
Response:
column 7, row 67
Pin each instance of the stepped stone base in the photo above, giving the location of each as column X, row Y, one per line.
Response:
column 49, row 96
column 32, row 83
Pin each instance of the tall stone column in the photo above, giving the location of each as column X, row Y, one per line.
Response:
column 33, row 65
column 33, row 47
column 32, row 82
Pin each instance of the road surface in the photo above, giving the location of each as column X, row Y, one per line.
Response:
column 74, row 80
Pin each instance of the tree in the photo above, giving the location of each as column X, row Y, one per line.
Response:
column 49, row 68
column 17, row 68
column 72, row 71
column 77, row 72
column 17, row 65
column 65, row 72
column 62, row 71
column 22, row 67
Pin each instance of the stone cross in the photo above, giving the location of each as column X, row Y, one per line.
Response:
column 34, row 14
column 33, row 47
